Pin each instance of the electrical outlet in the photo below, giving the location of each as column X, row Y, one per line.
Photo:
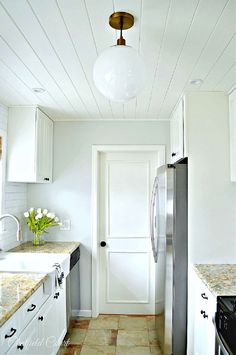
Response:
column 65, row 225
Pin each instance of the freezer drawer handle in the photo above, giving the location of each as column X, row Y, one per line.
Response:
column 204, row 296
column 13, row 330
column 33, row 306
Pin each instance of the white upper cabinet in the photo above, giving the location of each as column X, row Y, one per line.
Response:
column 232, row 125
column 177, row 133
column 30, row 145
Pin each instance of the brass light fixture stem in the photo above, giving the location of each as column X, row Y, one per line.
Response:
column 121, row 21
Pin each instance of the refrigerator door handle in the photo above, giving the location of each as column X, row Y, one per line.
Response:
column 152, row 219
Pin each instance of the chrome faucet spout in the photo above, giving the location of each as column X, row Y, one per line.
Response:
column 19, row 231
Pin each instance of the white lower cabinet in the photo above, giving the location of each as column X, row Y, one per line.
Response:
column 204, row 312
column 45, row 332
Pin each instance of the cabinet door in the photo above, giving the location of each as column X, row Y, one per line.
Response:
column 61, row 314
column 47, row 324
column 28, row 342
column 44, row 129
column 52, row 323
column 177, row 133
column 204, row 308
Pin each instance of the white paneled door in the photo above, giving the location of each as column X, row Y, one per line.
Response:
column 126, row 273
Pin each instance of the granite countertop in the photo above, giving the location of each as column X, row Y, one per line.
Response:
column 220, row 279
column 49, row 247
column 15, row 289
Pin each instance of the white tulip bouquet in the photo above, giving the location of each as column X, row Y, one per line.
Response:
column 38, row 221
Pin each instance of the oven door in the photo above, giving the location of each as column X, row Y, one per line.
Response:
column 220, row 347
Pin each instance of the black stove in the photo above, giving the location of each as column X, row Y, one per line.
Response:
column 225, row 322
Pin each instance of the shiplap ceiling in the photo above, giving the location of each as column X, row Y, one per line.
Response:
column 53, row 44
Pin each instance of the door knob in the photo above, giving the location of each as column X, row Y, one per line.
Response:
column 103, row 243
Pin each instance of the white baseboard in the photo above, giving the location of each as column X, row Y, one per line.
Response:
column 81, row 313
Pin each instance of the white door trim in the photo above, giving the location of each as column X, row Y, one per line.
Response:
column 96, row 151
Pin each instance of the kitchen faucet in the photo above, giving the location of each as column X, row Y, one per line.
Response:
column 19, row 231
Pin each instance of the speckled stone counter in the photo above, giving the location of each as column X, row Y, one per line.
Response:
column 49, row 247
column 220, row 279
column 15, row 289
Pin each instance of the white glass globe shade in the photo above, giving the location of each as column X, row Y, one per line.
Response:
column 119, row 73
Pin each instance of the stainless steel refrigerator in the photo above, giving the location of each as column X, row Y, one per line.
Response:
column 169, row 218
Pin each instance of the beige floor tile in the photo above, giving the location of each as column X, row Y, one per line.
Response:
column 155, row 350
column 72, row 349
column 80, row 323
column 108, row 316
column 151, row 323
column 61, row 351
column 133, row 350
column 98, row 350
column 153, row 338
column 133, row 323
column 104, row 323
column 76, row 336
column 132, row 338
column 101, row 337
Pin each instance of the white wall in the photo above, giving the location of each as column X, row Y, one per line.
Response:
column 70, row 193
column 14, row 199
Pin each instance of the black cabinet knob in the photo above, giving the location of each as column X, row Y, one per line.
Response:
column 46, row 179
column 40, row 318
column 173, row 154
column 205, row 315
column 202, row 312
column 103, row 243
column 20, row 347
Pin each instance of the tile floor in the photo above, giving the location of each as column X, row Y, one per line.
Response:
column 111, row 335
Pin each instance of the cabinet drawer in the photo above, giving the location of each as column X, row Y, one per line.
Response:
column 32, row 306
column 9, row 332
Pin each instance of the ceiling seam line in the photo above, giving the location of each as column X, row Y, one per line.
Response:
column 197, row 61
column 222, row 78
column 94, row 41
column 179, row 56
column 13, row 88
column 139, row 46
column 159, row 55
column 12, row 71
column 58, row 57
column 33, row 75
column 40, row 60
column 218, row 58
column 77, row 55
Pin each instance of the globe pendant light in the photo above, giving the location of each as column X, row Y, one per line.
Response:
column 119, row 72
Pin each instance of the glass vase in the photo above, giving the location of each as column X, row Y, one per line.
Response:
column 38, row 239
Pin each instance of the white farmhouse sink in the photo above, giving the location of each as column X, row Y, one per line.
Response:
column 35, row 262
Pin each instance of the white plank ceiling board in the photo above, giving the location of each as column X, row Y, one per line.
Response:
column 153, row 27
column 19, row 45
column 27, row 20
column 175, row 37
column 208, row 12
column 222, row 65
column 225, row 83
column 53, row 44
column 81, row 37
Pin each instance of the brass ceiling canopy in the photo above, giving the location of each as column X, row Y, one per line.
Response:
column 121, row 21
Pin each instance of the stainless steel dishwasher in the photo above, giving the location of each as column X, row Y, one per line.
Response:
column 74, row 267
